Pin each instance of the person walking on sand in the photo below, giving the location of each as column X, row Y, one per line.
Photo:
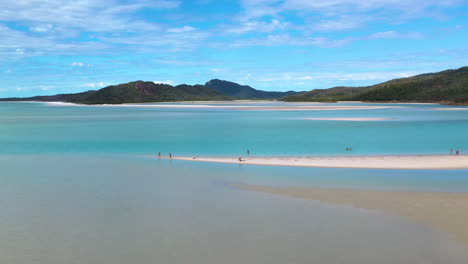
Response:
column 170, row 155
column 159, row 154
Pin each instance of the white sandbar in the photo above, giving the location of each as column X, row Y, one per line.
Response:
column 218, row 105
column 368, row 162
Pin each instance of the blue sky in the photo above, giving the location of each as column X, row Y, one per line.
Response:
column 61, row 46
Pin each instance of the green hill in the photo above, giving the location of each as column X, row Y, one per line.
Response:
column 53, row 98
column 135, row 92
column 449, row 86
column 243, row 91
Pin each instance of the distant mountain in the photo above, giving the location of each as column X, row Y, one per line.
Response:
column 53, row 98
column 134, row 92
column 324, row 95
column 450, row 86
column 243, row 91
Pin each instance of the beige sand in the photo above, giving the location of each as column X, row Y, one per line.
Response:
column 447, row 212
column 348, row 118
column 369, row 162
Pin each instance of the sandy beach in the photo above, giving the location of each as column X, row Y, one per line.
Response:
column 218, row 105
column 447, row 212
column 362, row 162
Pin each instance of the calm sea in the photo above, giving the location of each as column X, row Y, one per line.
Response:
column 75, row 186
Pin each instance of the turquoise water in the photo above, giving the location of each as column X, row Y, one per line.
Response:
column 33, row 128
column 76, row 188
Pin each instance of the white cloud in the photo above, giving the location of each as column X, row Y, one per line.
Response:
column 172, row 42
column 257, row 26
column 181, row 29
column 80, row 64
column 46, row 87
column 41, row 29
column 95, row 85
column 20, row 51
column 330, row 15
column 394, row 35
column 287, row 40
column 16, row 44
column 170, row 82
column 97, row 16
column 340, row 23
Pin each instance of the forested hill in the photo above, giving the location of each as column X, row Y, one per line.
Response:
column 450, row 86
column 243, row 91
column 134, row 92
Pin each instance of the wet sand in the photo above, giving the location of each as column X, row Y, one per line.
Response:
column 358, row 162
column 447, row 212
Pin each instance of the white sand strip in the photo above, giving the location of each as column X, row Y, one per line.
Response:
column 446, row 212
column 234, row 107
column 348, row 118
column 362, row 162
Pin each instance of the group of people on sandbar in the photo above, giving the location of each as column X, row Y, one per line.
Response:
column 159, row 155
column 457, row 152
column 248, row 154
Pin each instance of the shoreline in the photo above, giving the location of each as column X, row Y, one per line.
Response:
column 412, row 162
column 446, row 212
column 442, row 103
column 217, row 105
column 293, row 106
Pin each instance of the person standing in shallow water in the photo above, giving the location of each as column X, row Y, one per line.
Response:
column 248, row 152
column 170, row 155
column 457, row 153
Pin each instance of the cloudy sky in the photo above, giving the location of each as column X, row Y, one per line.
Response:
column 58, row 46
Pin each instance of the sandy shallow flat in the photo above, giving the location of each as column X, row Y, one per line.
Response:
column 368, row 162
column 331, row 107
column 447, row 212
column 348, row 118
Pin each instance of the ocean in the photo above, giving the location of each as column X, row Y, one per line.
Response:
column 78, row 185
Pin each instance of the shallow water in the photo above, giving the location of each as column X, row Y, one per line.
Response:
column 75, row 188
column 78, row 209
